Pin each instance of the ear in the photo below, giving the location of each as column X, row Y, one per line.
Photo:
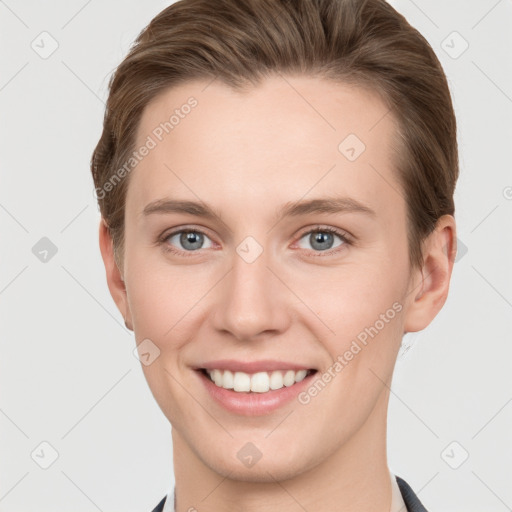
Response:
column 431, row 282
column 115, row 279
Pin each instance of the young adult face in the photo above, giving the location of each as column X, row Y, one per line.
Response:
column 251, row 284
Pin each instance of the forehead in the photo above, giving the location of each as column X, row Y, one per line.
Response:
column 285, row 138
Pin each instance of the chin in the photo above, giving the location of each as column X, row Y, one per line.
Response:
column 265, row 470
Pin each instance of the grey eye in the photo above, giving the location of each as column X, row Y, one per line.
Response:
column 189, row 240
column 321, row 240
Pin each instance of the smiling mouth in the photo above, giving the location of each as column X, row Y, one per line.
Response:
column 260, row 382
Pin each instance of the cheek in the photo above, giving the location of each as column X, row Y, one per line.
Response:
column 361, row 305
column 364, row 309
column 162, row 297
column 350, row 298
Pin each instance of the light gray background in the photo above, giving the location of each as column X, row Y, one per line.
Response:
column 68, row 376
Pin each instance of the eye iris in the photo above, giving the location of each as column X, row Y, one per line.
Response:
column 320, row 238
column 193, row 238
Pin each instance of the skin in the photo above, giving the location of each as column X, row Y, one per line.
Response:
column 247, row 155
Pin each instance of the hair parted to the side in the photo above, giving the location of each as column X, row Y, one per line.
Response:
column 365, row 43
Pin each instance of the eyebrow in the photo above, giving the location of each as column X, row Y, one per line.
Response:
column 291, row 209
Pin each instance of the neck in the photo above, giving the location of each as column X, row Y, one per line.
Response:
column 355, row 477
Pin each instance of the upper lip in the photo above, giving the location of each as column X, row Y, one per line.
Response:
column 252, row 366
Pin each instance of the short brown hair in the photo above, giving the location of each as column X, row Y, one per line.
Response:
column 240, row 42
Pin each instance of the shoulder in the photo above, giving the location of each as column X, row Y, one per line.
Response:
column 410, row 499
column 160, row 506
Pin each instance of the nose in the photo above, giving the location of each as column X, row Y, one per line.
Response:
column 251, row 301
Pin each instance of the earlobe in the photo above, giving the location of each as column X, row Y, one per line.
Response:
column 115, row 280
column 433, row 282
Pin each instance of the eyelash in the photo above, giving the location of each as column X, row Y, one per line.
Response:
column 344, row 236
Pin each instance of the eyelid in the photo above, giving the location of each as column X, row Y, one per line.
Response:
column 342, row 233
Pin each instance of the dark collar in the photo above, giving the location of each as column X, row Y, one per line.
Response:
column 160, row 506
column 411, row 501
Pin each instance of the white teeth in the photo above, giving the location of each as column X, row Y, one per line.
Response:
column 289, row 378
column 276, row 380
column 260, row 382
column 241, row 381
column 228, row 380
column 216, row 376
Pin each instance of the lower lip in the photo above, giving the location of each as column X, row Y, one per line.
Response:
column 254, row 404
